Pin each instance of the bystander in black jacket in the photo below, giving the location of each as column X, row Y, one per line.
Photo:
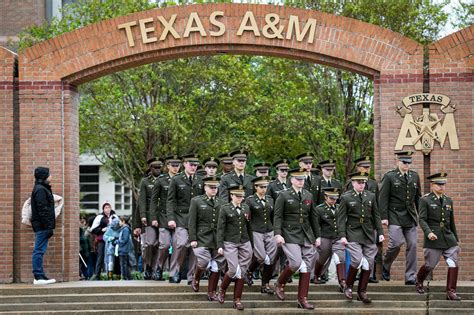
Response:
column 42, row 202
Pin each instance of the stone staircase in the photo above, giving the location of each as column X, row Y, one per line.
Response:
column 151, row 297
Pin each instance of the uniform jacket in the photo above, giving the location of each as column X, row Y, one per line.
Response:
column 357, row 219
column 180, row 194
column 42, row 207
column 398, row 199
column 439, row 219
column 159, row 199
column 371, row 186
column 144, row 197
column 295, row 218
column 203, row 216
column 334, row 183
column 276, row 187
column 232, row 226
column 313, row 185
column 261, row 213
column 326, row 220
column 231, row 179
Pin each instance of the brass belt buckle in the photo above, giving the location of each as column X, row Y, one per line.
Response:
column 441, row 224
column 361, row 220
column 301, row 220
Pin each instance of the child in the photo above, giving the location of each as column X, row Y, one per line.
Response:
column 110, row 238
column 124, row 244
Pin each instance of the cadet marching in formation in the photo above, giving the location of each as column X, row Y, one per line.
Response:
column 231, row 224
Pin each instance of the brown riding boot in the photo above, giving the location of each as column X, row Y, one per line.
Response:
column 197, row 277
column 362, row 287
column 303, row 288
column 341, row 276
column 238, row 288
column 224, row 285
column 318, row 268
column 212, row 286
column 266, row 277
column 451, row 283
column 281, row 282
column 350, row 282
column 420, row 277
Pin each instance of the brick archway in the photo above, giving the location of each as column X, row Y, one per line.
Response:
column 45, row 123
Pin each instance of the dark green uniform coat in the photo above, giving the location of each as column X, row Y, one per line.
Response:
column 260, row 214
column 275, row 188
column 438, row 219
column 326, row 221
column 295, row 219
column 180, row 194
column 399, row 198
column 313, row 185
column 232, row 226
column 159, row 198
column 334, row 183
column 203, row 216
column 144, row 197
column 232, row 179
column 357, row 219
column 371, row 185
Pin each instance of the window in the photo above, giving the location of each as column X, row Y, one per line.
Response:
column 89, row 187
column 123, row 198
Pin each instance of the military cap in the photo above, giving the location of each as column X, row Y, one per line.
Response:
column 156, row 162
column 211, row 180
column 363, row 161
column 238, row 190
column 239, row 154
column 331, row 191
column 404, row 156
column 151, row 160
column 261, row 166
column 261, row 180
column 201, row 171
column 438, row 178
column 225, row 158
column 303, row 157
column 298, row 172
column 172, row 158
column 359, row 176
column 193, row 158
column 210, row 161
column 327, row 164
column 316, row 170
column 281, row 164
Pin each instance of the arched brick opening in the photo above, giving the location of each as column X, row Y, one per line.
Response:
column 49, row 73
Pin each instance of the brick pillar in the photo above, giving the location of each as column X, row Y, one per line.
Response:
column 49, row 136
column 7, row 196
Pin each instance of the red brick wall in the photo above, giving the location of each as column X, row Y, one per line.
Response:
column 16, row 15
column 393, row 61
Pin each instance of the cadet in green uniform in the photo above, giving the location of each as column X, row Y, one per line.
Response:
column 357, row 218
column 203, row 216
column 441, row 238
column 295, row 229
column 237, row 176
column 398, row 202
column 264, row 245
column 327, row 172
column 149, row 239
column 159, row 198
column 312, row 182
column 226, row 163
column 281, row 182
column 234, row 237
column 328, row 243
column 363, row 164
column 261, row 169
column 210, row 166
column 183, row 187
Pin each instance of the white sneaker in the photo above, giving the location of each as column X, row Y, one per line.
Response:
column 44, row 281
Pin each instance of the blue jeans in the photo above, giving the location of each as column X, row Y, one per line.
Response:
column 41, row 244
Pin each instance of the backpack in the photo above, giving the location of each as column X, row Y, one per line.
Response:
column 26, row 210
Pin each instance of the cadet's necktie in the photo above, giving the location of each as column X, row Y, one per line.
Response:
column 284, row 185
column 333, row 209
column 238, row 210
column 191, row 180
column 241, row 177
column 441, row 200
column 329, row 182
column 299, row 194
column 212, row 202
column 360, row 197
column 308, row 179
column 406, row 177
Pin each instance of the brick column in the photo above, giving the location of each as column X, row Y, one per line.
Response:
column 7, row 197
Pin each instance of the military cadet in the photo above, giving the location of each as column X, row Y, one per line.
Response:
column 226, row 163
column 327, row 172
column 280, row 183
column 237, row 176
column 357, row 217
column 234, row 237
column 149, row 239
column 312, row 182
column 363, row 164
column 159, row 198
column 261, row 169
column 329, row 242
column 210, row 166
column 441, row 238
column 203, row 216
column 295, row 229
column 183, row 187
column 398, row 202
column 264, row 245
